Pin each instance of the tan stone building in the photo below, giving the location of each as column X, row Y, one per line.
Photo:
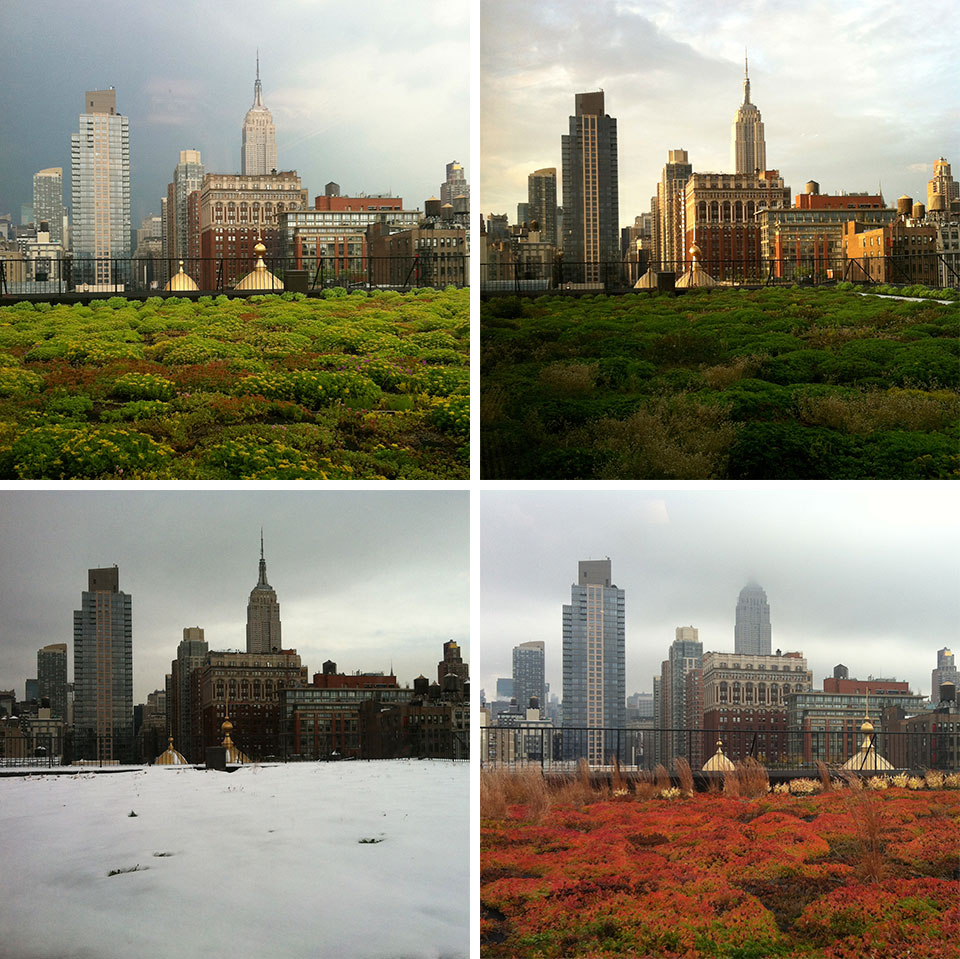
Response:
column 903, row 252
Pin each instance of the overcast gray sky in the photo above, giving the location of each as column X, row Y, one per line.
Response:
column 363, row 578
column 868, row 576
column 851, row 95
column 373, row 95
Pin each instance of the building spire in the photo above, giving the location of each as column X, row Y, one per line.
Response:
column 746, row 78
column 257, row 90
column 263, row 564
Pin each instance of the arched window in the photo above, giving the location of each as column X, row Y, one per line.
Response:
column 736, row 692
column 726, row 211
column 256, row 689
column 748, row 690
column 244, row 690
column 233, row 689
column 268, row 689
column 714, row 212
column 702, row 211
column 762, row 693
column 750, row 209
column 723, row 692
column 738, row 211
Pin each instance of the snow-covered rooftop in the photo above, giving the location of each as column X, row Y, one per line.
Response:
column 365, row 860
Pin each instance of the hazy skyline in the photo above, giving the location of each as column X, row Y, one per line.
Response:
column 854, row 97
column 373, row 96
column 867, row 577
column 367, row 578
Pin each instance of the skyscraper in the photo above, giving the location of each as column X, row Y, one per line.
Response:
column 187, row 177
column 455, row 184
column 678, row 697
column 591, row 211
column 258, row 152
column 542, row 202
column 103, row 670
column 946, row 672
column 100, row 186
column 748, row 149
column 752, row 630
column 528, row 678
column 48, row 201
column 52, row 678
column 669, row 221
column 594, row 661
column 263, row 614
column 183, row 719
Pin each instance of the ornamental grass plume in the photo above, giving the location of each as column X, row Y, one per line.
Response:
column 934, row 779
column 661, row 777
column 866, row 812
column 493, row 796
column 823, row 770
column 804, row 787
column 916, row 782
column 878, row 782
column 684, row 774
column 951, row 781
column 527, row 787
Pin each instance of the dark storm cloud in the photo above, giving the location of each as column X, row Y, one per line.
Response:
column 366, row 579
column 853, row 97
column 352, row 89
column 865, row 577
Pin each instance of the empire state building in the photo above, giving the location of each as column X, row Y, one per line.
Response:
column 263, row 614
column 749, row 152
column 258, row 153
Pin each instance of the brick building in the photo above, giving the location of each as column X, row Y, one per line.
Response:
column 250, row 685
column 235, row 211
column 903, row 252
column 720, row 213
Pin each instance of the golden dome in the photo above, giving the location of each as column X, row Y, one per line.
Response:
column 260, row 278
column 170, row 757
column 226, row 726
column 718, row 762
column 181, row 281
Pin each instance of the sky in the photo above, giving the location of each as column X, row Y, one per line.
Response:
column 373, row 95
column 368, row 579
column 854, row 96
column 864, row 575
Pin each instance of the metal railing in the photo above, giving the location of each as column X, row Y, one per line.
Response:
column 561, row 748
column 74, row 275
column 933, row 269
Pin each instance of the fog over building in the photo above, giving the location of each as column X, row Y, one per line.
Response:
column 752, row 629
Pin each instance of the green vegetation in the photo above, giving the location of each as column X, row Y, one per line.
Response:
column 722, row 384
column 274, row 387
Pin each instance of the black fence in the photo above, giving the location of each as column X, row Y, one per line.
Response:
column 932, row 269
column 148, row 277
column 562, row 748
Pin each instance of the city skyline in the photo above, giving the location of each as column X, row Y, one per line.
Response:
column 367, row 579
column 352, row 90
column 863, row 577
column 827, row 80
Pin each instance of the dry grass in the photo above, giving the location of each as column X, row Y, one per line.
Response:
column 684, row 774
column 493, row 793
column 823, row 771
column 748, row 780
column 569, row 379
column 882, row 410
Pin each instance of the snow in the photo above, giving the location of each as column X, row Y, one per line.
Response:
column 267, row 860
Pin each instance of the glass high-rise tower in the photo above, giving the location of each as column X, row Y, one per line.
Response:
column 103, row 670
column 100, row 186
column 752, row 630
column 52, row 678
column 594, row 663
column 263, row 614
column 591, row 206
